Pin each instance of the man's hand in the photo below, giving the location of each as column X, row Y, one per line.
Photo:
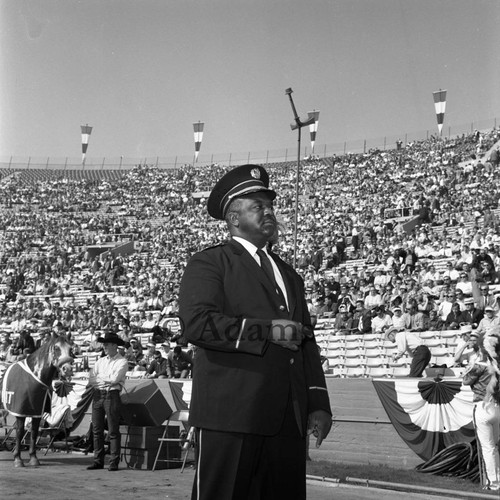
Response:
column 286, row 333
column 319, row 424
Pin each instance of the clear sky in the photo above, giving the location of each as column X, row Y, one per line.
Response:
column 142, row 71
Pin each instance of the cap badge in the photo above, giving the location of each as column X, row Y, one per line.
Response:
column 255, row 173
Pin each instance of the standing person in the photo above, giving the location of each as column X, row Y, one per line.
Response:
column 483, row 377
column 107, row 377
column 258, row 386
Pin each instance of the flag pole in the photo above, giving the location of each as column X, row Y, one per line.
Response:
column 297, row 125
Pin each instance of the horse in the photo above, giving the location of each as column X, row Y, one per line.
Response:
column 27, row 387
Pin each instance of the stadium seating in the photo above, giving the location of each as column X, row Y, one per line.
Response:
column 71, row 211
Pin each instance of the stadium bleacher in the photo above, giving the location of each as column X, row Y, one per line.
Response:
column 51, row 219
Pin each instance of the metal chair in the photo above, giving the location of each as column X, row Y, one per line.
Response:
column 185, row 440
column 9, row 429
column 53, row 431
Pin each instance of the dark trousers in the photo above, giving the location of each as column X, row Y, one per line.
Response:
column 421, row 358
column 235, row 466
column 106, row 404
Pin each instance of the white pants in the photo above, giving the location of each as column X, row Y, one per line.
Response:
column 487, row 422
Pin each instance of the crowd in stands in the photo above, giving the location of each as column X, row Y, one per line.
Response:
column 363, row 268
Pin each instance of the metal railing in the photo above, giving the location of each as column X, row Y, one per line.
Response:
column 232, row 158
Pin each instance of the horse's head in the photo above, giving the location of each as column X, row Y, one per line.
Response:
column 50, row 357
column 59, row 350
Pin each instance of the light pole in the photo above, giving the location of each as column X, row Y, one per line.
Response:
column 298, row 124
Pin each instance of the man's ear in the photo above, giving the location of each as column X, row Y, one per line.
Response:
column 233, row 219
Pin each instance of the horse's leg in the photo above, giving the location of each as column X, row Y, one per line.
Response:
column 18, row 461
column 35, row 426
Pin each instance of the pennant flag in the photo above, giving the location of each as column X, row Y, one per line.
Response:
column 428, row 414
column 86, row 131
column 198, row 137
column 313, row 127
column 440, row 105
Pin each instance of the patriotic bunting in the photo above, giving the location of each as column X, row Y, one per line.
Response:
column 198, row 137
column 313, row 127
column 86, row 131
column 428, row 414
column 440, row 105
column 181, row 393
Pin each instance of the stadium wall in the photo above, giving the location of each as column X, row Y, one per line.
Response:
column 361, row 433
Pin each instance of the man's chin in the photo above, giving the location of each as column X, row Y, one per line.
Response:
column 269, row 229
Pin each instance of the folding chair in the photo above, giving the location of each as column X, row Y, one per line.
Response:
column 9, row 429
column 185, row 440
column 52, row 431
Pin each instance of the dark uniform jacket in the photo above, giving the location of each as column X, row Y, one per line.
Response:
column 242, row 382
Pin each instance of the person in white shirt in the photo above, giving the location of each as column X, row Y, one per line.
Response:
column 411, row 343
column 373, row 299
column 382, row 321
column 445, row 307
column 464, row 283
column 451, row 272
column 488, row 322
column 399, row 319
column 431, row 274
column 466, row 347
column 107, row 377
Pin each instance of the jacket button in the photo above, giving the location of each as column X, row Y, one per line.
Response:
column 292, row 361
column 282, row 308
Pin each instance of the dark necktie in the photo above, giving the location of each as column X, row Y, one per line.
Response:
column 267, row 267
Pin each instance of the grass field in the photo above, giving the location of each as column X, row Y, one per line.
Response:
column 388, row 474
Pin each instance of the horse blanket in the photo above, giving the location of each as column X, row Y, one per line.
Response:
column 23, row 393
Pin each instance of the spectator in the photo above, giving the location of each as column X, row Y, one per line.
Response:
column 489, row 321
column 485, row 298
column 373, row 299
column 434, row 322
column 44, row 337
column 451, row 273
column 5, row 345
column 179, row 362
column 159, row 367
column 471, row 316
column 464, row 284
column 453, row 319
column 466, row 347
column 344, row 300
column 416, row 319
column 25, row 344
column 445, row 307
column 147, row 358
column 399, row 320
column 165, row 349
column 381, row 320
column 361, row 319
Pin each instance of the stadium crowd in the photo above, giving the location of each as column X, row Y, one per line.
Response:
column 356, row 256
